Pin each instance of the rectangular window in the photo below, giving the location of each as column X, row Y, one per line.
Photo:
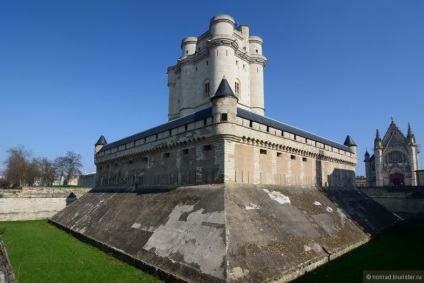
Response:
column 251, row 124
column 237, row 88
column 166, row 155
column 224, row 117
column 279, row 154
column 207, row 147
column 262, row 151
column 293, row 157
column 304, row 159
column 145, row 159
column 184, row 151
column 207, row 89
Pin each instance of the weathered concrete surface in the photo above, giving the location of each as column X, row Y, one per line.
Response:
column 33, row 203
column 407, row 202
column 6, row 272
column 232, row 233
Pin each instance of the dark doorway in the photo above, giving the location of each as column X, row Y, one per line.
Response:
column 397, row 180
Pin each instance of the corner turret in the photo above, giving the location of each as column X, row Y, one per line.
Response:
column 224, row 103
column 350, row 143
column 99, row 144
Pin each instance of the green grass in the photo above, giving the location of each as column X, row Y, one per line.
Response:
column 40, row 252
column 398, row 248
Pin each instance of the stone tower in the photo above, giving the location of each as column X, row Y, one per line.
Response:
column 225, row 50
column 395, row 159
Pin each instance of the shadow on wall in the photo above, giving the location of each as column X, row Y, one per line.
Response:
column 368, row 214
column 338, row 178
column 318, row 173
column 341, row 178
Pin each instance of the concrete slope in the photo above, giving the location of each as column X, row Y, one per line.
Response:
column 224, row 233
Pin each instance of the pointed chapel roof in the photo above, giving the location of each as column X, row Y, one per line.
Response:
column 101, row 141
column 393, row 133
column 223, row 90
column 349, row 141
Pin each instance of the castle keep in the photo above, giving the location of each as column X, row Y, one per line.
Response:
column 217, row 131
column 220, row 192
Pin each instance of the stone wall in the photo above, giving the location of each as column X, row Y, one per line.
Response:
column 407, row 202
column 212, row 151
column 33, row 203
column 6, row 272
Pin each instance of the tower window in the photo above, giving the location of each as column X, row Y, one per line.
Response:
column 166, row 155
column 257, row 51
column 262, row 151
column 224, row 117
column 237, row 88
column 207, row 147
column 292, row 157
column 304, row 159
column 185, row 151
column 207, row 89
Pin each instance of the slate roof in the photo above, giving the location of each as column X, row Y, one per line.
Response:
column 287, row 128
column 101, row 141
column 200, row 115
column 224, row 89
column 349, row 141
column 206, row 113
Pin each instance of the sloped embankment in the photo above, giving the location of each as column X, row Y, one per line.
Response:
column 225, row 233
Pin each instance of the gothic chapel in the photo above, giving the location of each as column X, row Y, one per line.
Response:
column 395, row 159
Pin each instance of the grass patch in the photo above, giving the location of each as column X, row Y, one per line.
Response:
column 398, row 248
column 39, row 252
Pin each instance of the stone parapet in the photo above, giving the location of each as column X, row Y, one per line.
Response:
column 33, row 203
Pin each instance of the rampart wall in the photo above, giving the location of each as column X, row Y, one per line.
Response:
column 192, row 154
column 407, row 202
column 33, row 203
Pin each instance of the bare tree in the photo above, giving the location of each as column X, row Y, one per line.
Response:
column 46, row 171
column 68, row 166
column 17, row 166
column 32, row 172
column 73, row 165
column 60, row 165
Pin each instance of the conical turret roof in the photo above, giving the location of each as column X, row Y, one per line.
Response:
column 101, row 141
column 223, row 90
column 349, row 141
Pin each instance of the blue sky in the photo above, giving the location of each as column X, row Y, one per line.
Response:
column 71, row 71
